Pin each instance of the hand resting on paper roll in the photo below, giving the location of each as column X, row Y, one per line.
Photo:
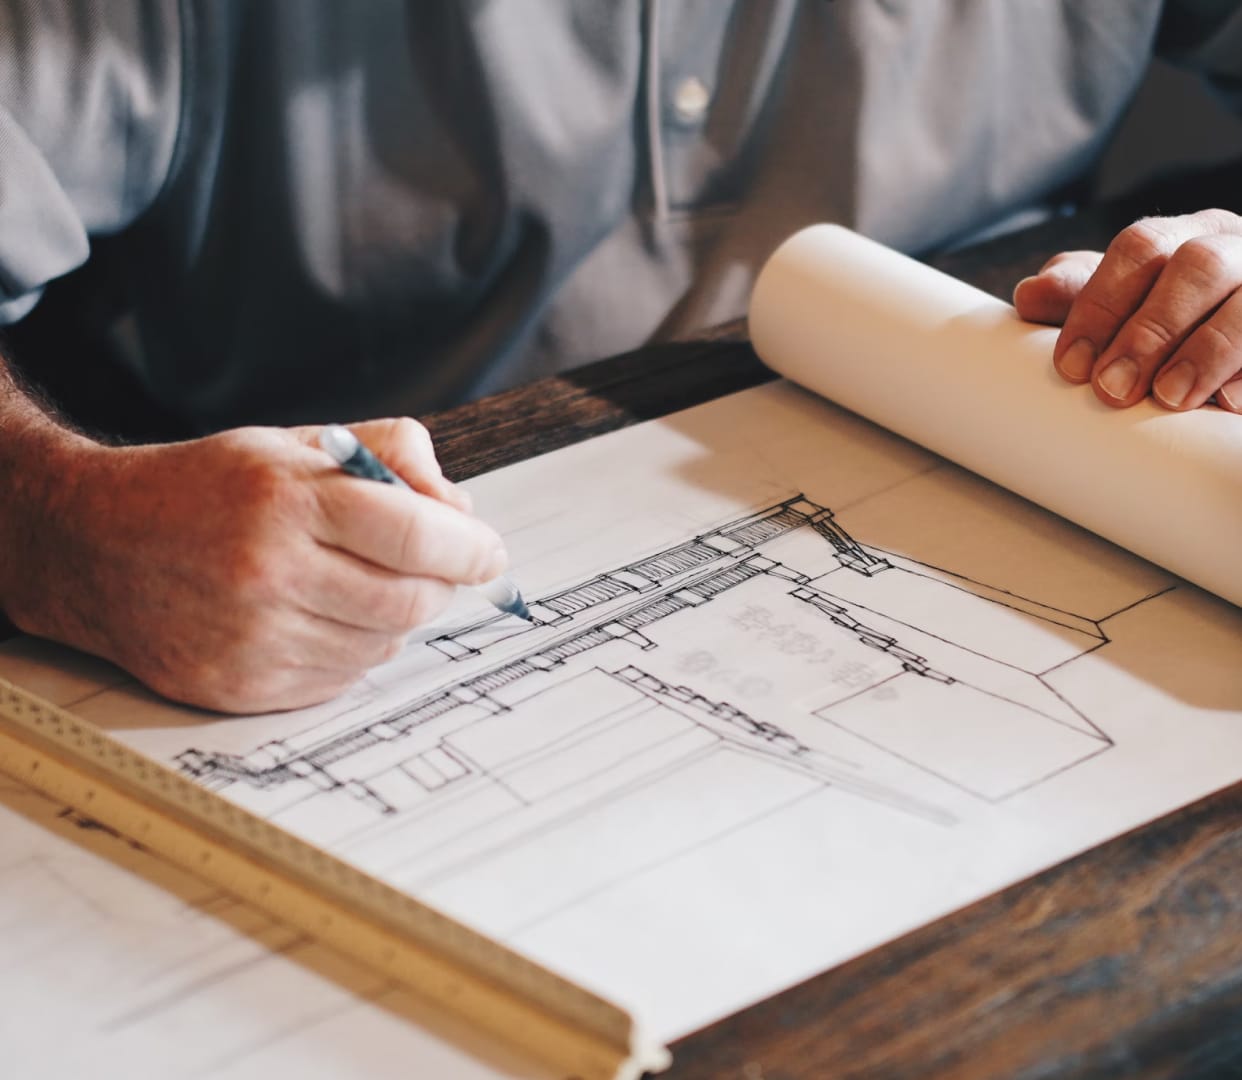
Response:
column 1159, row 313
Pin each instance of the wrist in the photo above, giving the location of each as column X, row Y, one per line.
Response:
column 44, row 470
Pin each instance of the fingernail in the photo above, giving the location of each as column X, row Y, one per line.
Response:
column 1118, row 379
column 1230, row 395
column 1174, row 384
column 1078, row 361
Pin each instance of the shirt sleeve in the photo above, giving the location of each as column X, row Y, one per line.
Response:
column 90, row 96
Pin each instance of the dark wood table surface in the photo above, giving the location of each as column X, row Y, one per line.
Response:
column 1125, row 961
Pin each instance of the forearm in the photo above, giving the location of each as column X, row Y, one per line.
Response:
column 40, row 467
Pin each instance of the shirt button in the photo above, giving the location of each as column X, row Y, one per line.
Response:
column 690, row 100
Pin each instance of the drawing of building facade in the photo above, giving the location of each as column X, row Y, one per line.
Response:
column 770, row 656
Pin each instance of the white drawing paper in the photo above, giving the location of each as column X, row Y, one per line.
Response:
column 117, row 965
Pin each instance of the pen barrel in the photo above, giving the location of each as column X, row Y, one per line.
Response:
column 362, row 463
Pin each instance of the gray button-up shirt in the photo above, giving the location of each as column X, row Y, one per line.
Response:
column 318, row 208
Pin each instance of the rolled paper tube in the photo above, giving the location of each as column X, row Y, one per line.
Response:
column 955, row 370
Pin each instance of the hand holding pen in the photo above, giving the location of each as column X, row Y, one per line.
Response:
column 356, row 459
column 244, row 572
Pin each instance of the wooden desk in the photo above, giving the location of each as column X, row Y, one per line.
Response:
column 1124, row 961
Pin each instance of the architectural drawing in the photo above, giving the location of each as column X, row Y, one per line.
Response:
column 752, row 734
column 772, row 647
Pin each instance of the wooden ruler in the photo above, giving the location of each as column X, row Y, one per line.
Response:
column 496, row 989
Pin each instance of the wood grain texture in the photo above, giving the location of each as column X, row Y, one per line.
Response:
column 592, row 400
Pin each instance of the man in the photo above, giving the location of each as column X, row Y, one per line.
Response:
column 313, row 210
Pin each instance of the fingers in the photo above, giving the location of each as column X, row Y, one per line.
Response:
column 332, row 646
column 1046, row 297
column 251, row 691
column 1229, row 396
column 407, row 532
column 260, row 659
column 1155, row 316
column 276, row 658
column 1123, row 278
column 428, row 533
column 353, row 592
column 1206, row 364
column 1199, row 276
column 405, row 446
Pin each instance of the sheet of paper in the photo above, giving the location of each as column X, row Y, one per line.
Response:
column 798, row 687
column 956, row 371
column 117, row 965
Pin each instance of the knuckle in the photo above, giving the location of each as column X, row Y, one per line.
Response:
column 1218, row 220
column 1145, row 334
column 1206, row 260
column 256, row 483
column 1142, row 242
column 266, row 490
column 1213, row 344
column 1093, row 309
column 251, row 568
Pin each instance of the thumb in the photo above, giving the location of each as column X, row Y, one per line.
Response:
column 1046, row 297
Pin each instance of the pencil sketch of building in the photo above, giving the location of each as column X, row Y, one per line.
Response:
column 768, row 656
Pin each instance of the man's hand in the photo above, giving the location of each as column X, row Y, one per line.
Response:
column 243, row 572
column 1159, row 313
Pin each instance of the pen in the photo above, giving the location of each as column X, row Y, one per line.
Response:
column 344, row 448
